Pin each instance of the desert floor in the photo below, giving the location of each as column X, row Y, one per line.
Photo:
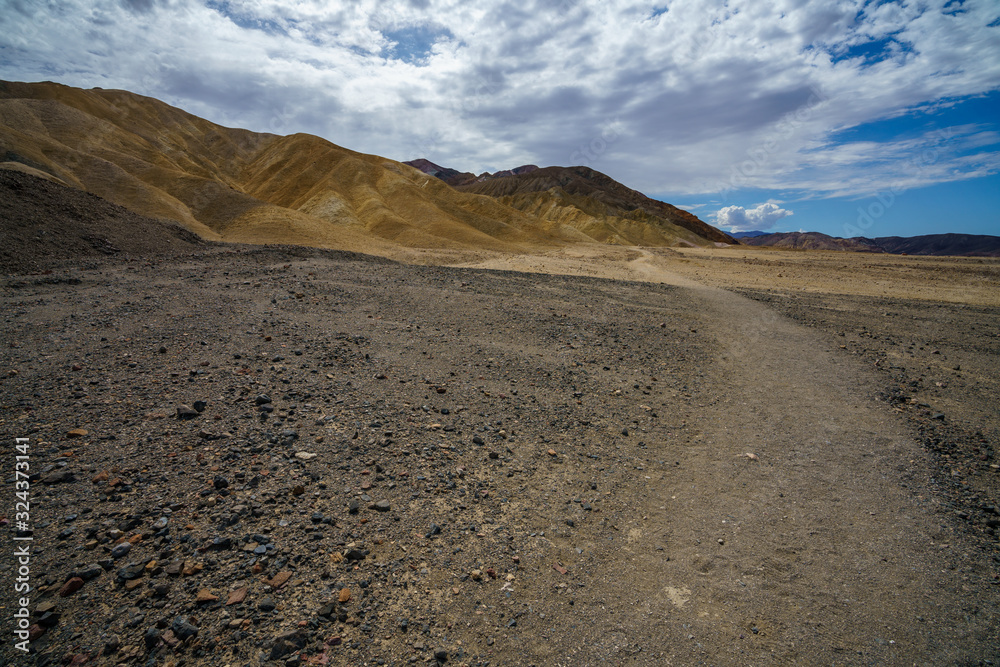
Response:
column 602, row 455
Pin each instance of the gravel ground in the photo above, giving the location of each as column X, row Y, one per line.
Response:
column 286, row 456
column 437, row 442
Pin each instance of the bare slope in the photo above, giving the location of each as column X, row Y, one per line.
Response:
column 598, row 205
column 44, row 223
column 455, row 178
column 969, row 245
column 239, row 185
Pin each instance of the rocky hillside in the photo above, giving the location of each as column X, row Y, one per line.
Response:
column 43, row 223
column 237, row 185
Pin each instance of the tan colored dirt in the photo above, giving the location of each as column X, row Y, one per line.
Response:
column 791, row 519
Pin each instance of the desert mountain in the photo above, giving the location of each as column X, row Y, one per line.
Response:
column 239, row 185
column 243, row 186
column 449, row 176
column 971, row 245
column 810, row 241
column 455, row 178
column 586, row 200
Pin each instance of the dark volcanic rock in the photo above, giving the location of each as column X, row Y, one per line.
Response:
column 186, row 412
column 183, row 629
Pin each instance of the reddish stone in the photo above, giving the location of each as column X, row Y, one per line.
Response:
column 237, row 596
column 205, row 595
column 70, row 587
column 191, row 568
column 278, row 580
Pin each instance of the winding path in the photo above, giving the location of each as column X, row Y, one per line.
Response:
column 820, row 548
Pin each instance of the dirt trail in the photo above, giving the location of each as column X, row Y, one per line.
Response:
column 821, row 547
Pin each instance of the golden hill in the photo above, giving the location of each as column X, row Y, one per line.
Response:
column 596, row 204
column 237, row 185
column 601, row 223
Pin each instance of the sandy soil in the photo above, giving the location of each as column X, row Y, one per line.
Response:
column 595, row 457
column 964, row 280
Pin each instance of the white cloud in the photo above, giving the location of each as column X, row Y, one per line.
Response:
column 707, row 96
column 739, row 219
column 690, row 207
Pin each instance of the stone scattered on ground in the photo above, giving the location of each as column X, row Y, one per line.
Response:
column 267, row 479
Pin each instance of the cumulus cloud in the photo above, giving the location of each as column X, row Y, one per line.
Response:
column 740, row 219
column 705, row 96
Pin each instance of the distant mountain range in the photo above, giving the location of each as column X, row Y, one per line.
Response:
column 747, row 235
column 237, row 185
column 970, row 245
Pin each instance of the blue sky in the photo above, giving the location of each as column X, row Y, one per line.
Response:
column 846, row 117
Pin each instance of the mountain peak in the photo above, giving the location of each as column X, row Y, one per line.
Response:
column 455, row 178
column 598, row 196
